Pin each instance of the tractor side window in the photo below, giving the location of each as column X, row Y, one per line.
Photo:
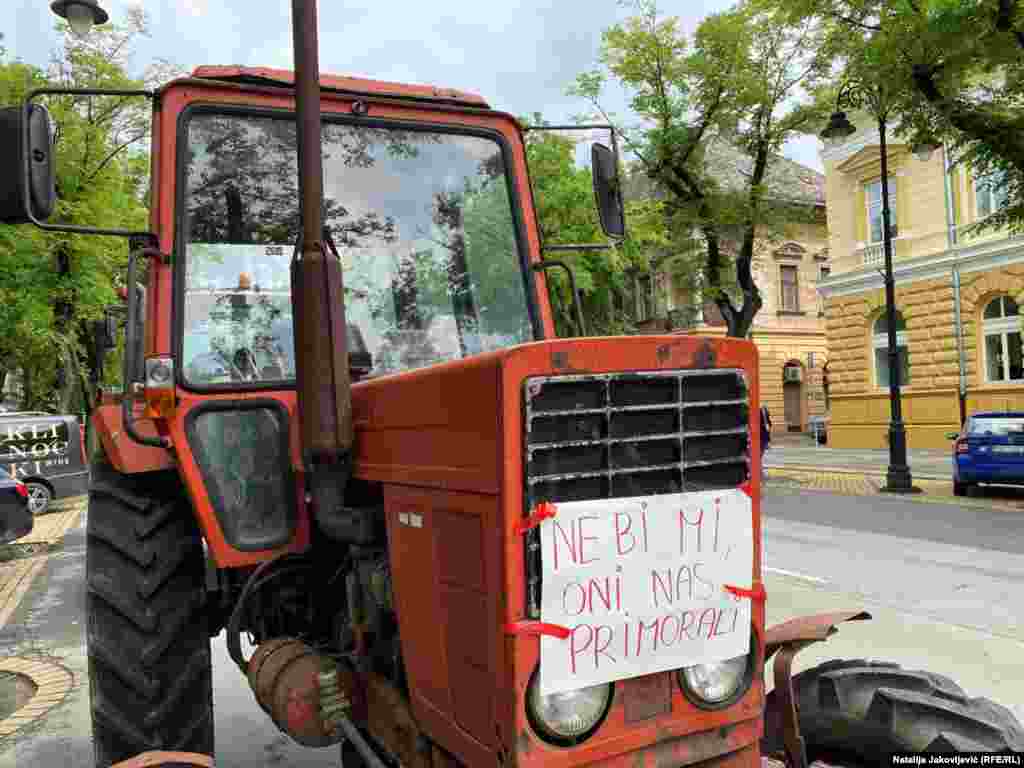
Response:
column 423, row 223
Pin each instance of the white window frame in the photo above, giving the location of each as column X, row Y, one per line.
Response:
column 892, row 208
column 1001, row 327
column 782, row 287
column 881, row 341
column 983, row 187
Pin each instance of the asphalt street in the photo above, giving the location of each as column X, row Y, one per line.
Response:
column 939, row 580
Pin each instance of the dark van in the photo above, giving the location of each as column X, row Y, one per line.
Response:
column 46, row 453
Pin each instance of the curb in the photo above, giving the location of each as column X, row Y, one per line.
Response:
column 848, row 471
column 53, row 683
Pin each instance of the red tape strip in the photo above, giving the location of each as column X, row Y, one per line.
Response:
column 757, row 593
column 540, row 513
column 537, row 628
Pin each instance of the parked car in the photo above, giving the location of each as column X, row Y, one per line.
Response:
column 47, row 453
column 988, row 449
column 15, row 518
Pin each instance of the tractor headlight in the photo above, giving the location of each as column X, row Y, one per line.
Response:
column 716, row 684
column 569, row 717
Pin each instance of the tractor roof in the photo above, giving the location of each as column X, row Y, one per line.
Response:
column 341, row 84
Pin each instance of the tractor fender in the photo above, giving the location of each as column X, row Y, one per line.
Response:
column 807, row 629
column 781, row 722
column 156, row 759
column 124, row 454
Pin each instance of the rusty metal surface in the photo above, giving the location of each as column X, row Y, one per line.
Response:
column 357, row 85
column 646, row 697
column 283, row 675
column 787, row 720
column 156, row 759
column 817, row 627
column 318, row 304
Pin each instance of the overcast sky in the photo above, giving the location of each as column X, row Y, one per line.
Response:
column 520, row 55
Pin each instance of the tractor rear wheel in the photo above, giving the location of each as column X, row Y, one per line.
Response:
column 857, row 712
column 149, row 650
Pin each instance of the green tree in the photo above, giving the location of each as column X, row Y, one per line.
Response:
column 743, row 79
column 953, row 70
column 53, row 284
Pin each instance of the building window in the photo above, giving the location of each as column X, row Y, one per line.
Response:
column 873, row 196
column 1003, row 353
column 880, row 344
column 990, row 194
column 790, row 289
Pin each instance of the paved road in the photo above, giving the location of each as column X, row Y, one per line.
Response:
column 50, row 623
column 902, row 560
column 942, row 580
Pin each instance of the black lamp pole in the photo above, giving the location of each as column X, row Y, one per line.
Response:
column 898, row 478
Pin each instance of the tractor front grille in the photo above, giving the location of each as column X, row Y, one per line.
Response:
column 630, row 434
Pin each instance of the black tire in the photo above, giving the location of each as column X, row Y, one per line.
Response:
column 862, row 711
column 150, row 680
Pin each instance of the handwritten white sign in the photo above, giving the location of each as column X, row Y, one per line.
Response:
column 639, row 582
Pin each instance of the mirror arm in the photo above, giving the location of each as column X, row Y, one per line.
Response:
column 26, row 111
column 618, row 185
column 547, row 264
column 128, row 359
column 580, row 247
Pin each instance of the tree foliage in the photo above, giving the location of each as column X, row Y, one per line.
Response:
column 743, row 78
column 952, row 70
column 52, row 285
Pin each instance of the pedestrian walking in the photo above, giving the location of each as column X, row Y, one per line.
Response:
column 766, row 437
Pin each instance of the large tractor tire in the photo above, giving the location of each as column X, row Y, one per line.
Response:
column 149, row 650
column 858, row 712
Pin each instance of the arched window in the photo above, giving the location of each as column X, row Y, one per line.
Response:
column 1001, row 326
column 880, row 343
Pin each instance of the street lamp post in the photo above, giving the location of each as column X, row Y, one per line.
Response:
column 898, row 478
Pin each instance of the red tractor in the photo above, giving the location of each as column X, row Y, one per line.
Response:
column 453, row 538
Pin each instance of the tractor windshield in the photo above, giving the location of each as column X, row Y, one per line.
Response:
column 423, row 222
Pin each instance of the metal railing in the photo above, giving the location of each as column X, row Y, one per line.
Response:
column 872, row 254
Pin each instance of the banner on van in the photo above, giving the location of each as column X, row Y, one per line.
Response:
column 33, row 446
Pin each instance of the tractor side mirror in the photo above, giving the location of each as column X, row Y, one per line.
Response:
column 38, row 186
column 607, row 191
column 109, row 332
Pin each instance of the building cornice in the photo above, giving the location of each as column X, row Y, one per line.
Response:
column 974, row 258
column 869, row 137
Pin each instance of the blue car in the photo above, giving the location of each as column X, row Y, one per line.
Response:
column 989, row 449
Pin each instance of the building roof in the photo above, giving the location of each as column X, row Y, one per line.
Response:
column 786, row 180
column 340, row 83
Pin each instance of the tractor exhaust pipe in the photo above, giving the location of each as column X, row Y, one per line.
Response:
column 318, row 299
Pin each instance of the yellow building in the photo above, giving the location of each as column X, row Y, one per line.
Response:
column 789, row 330
column 957, row 295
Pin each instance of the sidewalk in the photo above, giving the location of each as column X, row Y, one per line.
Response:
column 43, row 684
column 795, row 461
column 800, row 452
column 21, row 560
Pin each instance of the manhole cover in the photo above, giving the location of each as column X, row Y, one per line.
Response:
column 15, row 691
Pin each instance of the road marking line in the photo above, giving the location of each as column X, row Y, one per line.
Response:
column 796, row 575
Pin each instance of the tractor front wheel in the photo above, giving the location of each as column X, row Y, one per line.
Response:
column 149, row 650
column 858, row 712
